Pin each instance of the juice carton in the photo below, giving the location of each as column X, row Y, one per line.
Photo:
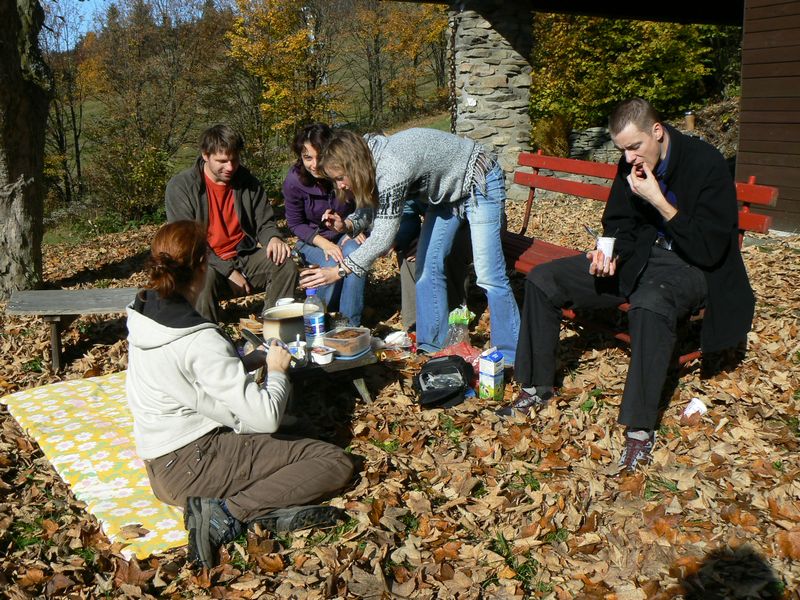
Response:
column 490, row 374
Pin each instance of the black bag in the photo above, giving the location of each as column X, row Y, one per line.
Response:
column 442, row 381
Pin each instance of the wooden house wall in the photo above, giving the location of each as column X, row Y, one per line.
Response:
column 769, row 128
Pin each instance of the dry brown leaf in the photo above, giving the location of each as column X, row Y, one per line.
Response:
column 789, row 543
column 31, row 577
column 271, row 563
column 738, row 516
column 58, row 583
column 129, row 572
column 133, row 531
column 376, row 511
column 448, row 551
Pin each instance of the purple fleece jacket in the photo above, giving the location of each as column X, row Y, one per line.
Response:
column 305, row 206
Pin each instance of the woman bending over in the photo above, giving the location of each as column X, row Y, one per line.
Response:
column 459, row 180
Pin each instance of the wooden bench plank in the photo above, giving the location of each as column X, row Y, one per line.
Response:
column 60, row 307
column 565, row 186
column 70, row 302
column 568, row 165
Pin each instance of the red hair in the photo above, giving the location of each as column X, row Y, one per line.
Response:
column 178, row 251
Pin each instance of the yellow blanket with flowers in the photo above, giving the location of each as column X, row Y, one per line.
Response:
column 85, row 429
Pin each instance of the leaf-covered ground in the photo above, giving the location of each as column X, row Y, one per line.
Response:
column 455, row 503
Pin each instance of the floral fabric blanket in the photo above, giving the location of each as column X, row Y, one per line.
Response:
column 85, row 429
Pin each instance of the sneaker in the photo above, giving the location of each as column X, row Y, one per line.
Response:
column 300, row 517
column 637, row 452
column 209, row 525
column 524, row 403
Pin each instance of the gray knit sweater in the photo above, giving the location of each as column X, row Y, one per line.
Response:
column 430, row 165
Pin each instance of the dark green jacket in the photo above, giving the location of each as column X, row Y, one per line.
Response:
column 186, row 199
column 705, row 234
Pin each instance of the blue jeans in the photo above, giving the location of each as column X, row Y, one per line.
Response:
column 347, row 293
column 410, row 225
column 485, row 214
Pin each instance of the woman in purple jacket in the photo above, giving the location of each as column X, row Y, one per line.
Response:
column 309, row 196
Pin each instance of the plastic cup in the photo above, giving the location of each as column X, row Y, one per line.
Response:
column 283, row 301
column 606, row 246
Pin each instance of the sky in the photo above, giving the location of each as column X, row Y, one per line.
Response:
column 88, row 9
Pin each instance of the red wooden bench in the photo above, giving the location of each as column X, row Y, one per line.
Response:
column 556, row 174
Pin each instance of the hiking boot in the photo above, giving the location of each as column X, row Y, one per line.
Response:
column 300, row 517
column 637, row 452
column 524, row 403
column 209, row 525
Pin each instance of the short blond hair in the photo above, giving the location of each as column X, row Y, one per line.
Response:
column 349, row 153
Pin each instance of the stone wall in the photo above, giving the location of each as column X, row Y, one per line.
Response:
column 593, row 144
column 492, row 80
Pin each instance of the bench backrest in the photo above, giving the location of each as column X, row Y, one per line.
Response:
column 748, row 193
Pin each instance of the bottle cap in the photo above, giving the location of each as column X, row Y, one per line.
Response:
column 311, row 292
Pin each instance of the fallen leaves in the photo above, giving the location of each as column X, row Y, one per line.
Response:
column 455, row 503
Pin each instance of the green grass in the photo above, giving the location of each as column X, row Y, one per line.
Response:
column 410, row 521
column 559, row 535
column 333, row 535
column 389, row 446
column 655, row 488
column 526, row 480
column 524, row 567
column 34, row 365
column 448, row 425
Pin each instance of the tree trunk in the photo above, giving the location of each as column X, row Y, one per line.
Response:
column 24, row 97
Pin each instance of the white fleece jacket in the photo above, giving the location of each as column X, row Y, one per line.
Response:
column 185, row 381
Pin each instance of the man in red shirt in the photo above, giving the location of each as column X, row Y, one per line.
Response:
column 248, row 253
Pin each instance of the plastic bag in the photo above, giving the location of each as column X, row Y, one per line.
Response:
column 468, row 352
column 458, row 329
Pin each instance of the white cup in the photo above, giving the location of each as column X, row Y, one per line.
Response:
column 606, row 246
column 282, row 301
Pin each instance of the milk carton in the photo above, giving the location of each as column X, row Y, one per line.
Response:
column 490, row 374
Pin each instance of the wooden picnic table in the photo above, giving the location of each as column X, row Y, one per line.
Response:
column 312, row 369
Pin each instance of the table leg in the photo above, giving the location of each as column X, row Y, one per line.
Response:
column 361, row 388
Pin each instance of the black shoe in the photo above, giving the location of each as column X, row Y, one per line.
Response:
column 637, row 452
column 524, row 403
column 300, row 517
column 209, row 526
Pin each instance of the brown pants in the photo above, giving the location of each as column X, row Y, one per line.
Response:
column 279, row 281
column 254, row 473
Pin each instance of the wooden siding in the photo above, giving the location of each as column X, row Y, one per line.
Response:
column 769, row 128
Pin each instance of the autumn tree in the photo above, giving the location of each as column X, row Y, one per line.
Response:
column 24, row 99
column 62, row 48
column 152, row 58
column 280, row 53
column 417, row 46
column 583, row 66
column 367, row 64
column 279, row 43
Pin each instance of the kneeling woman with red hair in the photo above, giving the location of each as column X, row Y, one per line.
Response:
column 204, row 427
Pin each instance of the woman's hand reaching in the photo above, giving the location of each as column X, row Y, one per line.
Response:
column 334, row 221
column 277, row 358
column 331, row 250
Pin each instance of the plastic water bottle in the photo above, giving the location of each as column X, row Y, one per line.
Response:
column 314, row 319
